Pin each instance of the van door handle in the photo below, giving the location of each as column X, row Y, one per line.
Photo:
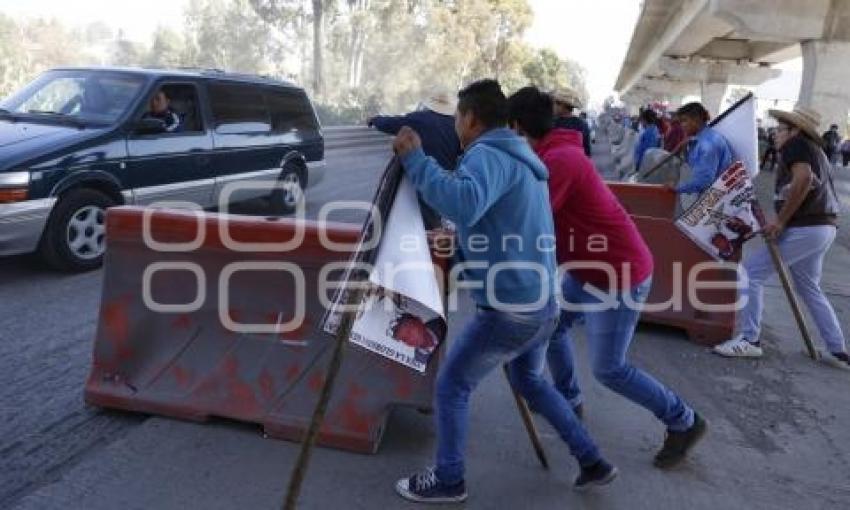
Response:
column 202, row 160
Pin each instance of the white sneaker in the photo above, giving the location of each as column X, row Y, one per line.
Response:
column 738, row 347
column 836, row 360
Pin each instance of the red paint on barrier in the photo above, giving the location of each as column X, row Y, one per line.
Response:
column 235, row 316
column 292, row 372
column 241, row 399
column 253, row 380
column 298, row 333
column 356, row 391
column 183, row 321
column 317, row 380
column 403, row 386
column 181, row 376
column 117, row 324
column 266, row 382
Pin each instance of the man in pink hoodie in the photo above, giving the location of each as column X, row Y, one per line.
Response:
column 607, row 271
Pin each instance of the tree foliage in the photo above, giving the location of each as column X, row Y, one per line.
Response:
column 357, row 57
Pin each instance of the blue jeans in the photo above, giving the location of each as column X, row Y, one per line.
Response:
column 803, row 250
column 609, row 335
column 491, row 339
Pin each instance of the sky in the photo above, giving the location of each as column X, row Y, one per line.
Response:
column 594, row 33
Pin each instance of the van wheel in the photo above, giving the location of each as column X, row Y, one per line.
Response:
column 289, row 193
column 75, row 236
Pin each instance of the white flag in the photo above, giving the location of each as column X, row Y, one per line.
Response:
column 738, row 126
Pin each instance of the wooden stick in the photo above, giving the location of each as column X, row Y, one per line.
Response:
column 525, row 413
column 782, row 270
column 300, row 470
column 353, row 294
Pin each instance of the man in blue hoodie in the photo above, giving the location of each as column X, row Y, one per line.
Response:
column 499, row 200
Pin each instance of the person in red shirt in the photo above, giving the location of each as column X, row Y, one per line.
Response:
column 607, row 270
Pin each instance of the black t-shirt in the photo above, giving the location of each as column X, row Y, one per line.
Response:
column 813, row 210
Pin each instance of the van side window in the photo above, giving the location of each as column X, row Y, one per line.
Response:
column 183, row 101
column 291, row 111
column 238, row 109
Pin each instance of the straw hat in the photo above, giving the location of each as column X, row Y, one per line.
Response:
column 567, row 96
column 441, row 102
column 806, row 119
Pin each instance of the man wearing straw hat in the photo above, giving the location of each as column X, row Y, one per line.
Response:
column 807, row 209
column 435, row 123
column 565, row 101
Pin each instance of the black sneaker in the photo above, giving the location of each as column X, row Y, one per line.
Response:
column 677, row 444
column 424, row 487
column 601, row 473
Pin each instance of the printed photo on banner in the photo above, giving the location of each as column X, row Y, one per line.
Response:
column 401, row 314
column 725, row 216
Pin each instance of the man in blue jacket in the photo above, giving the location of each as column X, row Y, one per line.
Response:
column 499, row 200
column 650, row 136
column 434, row 122
column 708, row 152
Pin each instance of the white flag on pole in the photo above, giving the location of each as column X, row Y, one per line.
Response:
column 738, row 126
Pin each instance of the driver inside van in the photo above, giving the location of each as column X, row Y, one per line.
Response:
column 160, row 108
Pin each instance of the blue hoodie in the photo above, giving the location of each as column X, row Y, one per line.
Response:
column 499, row 200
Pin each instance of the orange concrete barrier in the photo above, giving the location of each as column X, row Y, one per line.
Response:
column 645, row 199
column 162, row 346
column 677, row 278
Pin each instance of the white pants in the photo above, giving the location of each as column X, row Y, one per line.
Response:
column 803, row 250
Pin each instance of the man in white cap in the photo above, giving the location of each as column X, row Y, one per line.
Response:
column 435, row 123
column 565, row 101
column 807, row 211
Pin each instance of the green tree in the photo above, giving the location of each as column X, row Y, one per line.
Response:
column 548, row 71
column 292, row 17
column 13, row 61
column 167, row 49
column 126, row 52
column 212, row 41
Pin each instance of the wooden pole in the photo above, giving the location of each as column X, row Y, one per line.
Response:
column 352, row 295
column 525, row 413
column 300, row 469
column 784, row 277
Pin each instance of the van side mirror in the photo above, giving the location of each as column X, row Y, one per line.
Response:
column 149, row 126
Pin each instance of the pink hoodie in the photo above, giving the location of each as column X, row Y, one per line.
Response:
column 590, row 223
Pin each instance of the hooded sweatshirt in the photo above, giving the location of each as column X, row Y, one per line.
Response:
column 590, row 223
column 499, row 200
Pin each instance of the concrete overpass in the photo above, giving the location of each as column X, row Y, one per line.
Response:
column 699, row 47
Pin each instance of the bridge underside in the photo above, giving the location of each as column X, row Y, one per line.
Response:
column 699, row 47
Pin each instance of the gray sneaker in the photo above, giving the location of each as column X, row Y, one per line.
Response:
column 839, row 360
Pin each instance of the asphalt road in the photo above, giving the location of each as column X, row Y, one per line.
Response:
column 47, row 326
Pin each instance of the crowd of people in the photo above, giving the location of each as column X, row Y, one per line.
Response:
column 523, row 169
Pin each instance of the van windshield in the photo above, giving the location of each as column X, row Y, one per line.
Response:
column 76, row 96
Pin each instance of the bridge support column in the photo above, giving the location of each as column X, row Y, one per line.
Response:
column 826, row 81
column 712, row 94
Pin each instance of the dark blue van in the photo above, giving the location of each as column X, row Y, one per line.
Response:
column 76, row 141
